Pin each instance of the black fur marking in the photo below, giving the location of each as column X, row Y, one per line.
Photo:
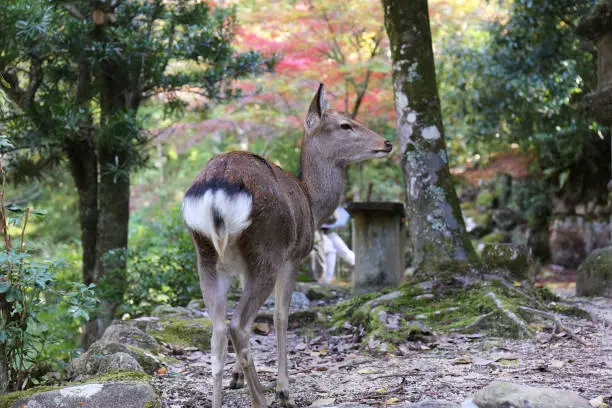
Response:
column 217, row 218
column 199, row 188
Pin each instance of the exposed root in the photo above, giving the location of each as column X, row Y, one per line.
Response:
column 520, row 323
column 476, row 322
column 559, row 326
column 512, row 288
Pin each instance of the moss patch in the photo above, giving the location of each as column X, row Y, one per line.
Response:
column 185, row 333
column 7, row 400
column 413, row 311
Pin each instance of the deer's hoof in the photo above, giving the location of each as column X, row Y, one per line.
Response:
column 237, row 381
column 284, row 399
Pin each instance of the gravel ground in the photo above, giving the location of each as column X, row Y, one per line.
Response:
column 332, row 367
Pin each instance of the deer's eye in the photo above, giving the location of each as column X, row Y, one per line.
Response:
column 346, row 126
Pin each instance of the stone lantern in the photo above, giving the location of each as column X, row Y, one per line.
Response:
column 597, row 27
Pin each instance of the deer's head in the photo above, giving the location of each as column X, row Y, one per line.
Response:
column 338, row 138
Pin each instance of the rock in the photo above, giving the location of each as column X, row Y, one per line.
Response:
column 429, row 403
column 506, row 219
column 147, row 361
column 516, row 259
column 496, row 236
column 315, row 291
column 185, row 333
column 508, row 395
column 94, row 395
column 128, row 334
column 146, row 323
column 485, row 199
column 572, row 238
column 170, row 311
column 299, row 301
column 594, row 276
column 477, row 223
column 118, row 362
column 196, row 304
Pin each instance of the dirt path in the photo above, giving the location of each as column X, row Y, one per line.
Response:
column 332, row 367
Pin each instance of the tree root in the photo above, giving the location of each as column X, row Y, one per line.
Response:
column 558, row 325
column 520, row 323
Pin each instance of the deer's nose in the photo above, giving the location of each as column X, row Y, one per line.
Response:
column 388, row 145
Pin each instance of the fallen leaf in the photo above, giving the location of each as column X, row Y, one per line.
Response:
column 382, row 391
column 557, row 363
column 516, row 284
column 162, row 371
column 321, row 368
column 598, row 402
column 301, row 347
column 392, row 400
column 462, row 360
column 324, row 402
column 425, row 348
column 261, row 328
column 366, row 371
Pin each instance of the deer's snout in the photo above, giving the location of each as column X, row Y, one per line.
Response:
column 388, row 145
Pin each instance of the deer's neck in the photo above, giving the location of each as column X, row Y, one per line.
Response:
column 324, row 181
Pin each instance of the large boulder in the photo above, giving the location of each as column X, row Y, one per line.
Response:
column 182, row 333
column 166, row 311
column 128, row 334
column 572, row 238
column 508, row 395
column 118, row 362
column 94, row 395
column 514, row 260
column 594, row 276
column 100, row 349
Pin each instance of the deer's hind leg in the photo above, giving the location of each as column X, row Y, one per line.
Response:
column 258, row 285
column 214, row 289
column 283, row 290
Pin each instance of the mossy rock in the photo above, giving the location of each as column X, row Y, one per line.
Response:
column 90, row 395
column 97, row 350
column 478, row 223
column 185, row 333
column 485, row 199
column 20, row 398
column 196, row 304
column 515, row 260
column 128, row 334
column 173, row 311
column 496, row 237
column 594, row 276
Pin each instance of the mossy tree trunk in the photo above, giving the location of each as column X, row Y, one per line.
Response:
column 434, row 217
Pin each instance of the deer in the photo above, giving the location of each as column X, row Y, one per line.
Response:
column 250, row 219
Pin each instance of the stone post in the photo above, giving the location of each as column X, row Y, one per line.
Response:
column 378, row 243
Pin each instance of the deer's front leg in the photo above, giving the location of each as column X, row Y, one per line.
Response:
column 283, row 290
column 215, row 292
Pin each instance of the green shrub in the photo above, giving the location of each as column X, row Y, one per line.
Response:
column 161, row 265
column 35, row 308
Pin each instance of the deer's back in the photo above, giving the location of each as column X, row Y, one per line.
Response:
column 281, row 218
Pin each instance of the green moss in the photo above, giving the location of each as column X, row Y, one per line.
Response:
column 495, row 237
column 7, row 400
column 185, row 333
column 485, row 199
column 569, row 310
column 547, row 295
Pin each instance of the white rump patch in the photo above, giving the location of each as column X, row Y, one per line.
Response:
column 234, row 209
column 431, row 133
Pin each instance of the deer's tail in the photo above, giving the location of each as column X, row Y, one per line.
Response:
column 219, row 212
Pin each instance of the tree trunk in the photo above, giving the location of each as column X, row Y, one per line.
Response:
column 84, row 168
column 4, row 362
column 434, row 217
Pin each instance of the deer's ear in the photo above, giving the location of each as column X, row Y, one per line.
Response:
column 316, row 109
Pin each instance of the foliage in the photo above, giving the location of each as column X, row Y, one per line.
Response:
column 29, row 294
column 520, row 79
column 161, row 265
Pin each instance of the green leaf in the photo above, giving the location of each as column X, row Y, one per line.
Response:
column 4, row 287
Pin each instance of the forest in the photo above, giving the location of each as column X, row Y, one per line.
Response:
column 467, row 145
